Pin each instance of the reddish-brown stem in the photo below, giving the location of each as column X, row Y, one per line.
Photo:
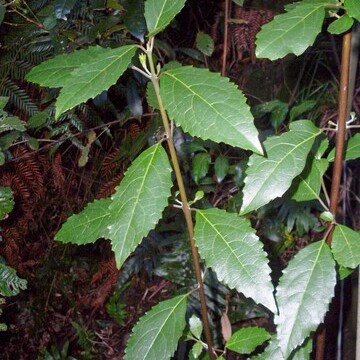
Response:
column 185, row 206
column 339, row 150
column 226, row 30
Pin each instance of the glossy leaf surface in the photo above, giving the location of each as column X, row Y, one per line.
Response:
column 159, row 13
column 63, row 8
column 196, row 326
column 273, row 351
column 221, row 168
column 303, row 295
column 200, row 166
column 157, row 333
column 270, row 176
column 291, row 32
column 230, row 247
column 134, row 18
column 346, row 246
column 209, row 106
column 246, row 340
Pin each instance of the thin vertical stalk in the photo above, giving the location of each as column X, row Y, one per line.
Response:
column 226, row 32
column 339, row 150
column 185, row 204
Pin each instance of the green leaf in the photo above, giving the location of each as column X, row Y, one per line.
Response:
column 278, row 110
column 270, row 177
column 352, row 149
column 298, row 110
column 3, row 101
column 196, row 350
column 221, row 168
column 82, row 74
column 196, row 326
column 49, row 22
column 327, row 216
column 246, row 340
column 57, row 71
column 200, row 166
column 291, row 32
column 159, row 13
column 93, row 77
column 209, row 106
column 304, row 352
column 309, row 185
column 2, row 13
column 139, row 201
column 344, row 272
column 2, row 158
column 346, row 246
column 7, row 140
column 63, row 8
column 157, row 333
column 134, row 18
column 88, row 225
column 230, row 247
column 10, row 283
column 341, row 25
column 303, row 295
column 38, row 120
column 353, row 9
column 132, row 211
column 11, row 123
column 205, row 43
column 6, row 201
column 273, row 351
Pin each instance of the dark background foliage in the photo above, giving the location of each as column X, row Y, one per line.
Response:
column 77, row 303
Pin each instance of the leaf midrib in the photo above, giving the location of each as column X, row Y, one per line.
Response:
column 268, row 178
column 157, row 146
column 159, row 17
column 270, row 44
column 90, row 80
column 227, row 244
column 206, row 102
column 302, row 297
column 163, row 324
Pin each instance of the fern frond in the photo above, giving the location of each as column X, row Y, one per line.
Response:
column 10, row 283
column 18, row 97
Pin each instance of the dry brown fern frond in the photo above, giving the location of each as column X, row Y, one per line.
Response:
column 29, row 169
column 244, row 34
column 109, row 164
column 108, row 188
column 134, row 129
column 11, row 250
column 58, row 172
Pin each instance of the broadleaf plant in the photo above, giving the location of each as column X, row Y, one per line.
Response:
column 209, row 106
